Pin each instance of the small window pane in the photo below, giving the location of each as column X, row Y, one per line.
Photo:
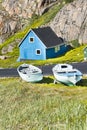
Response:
column 57, row 48
column 31, row 39
column 38, row 52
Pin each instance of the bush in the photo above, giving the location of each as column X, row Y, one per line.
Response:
column 75, row 43
column 68, row 1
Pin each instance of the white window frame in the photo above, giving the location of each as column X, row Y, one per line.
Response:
column 38, row 50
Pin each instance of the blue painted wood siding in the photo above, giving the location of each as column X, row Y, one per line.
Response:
column 56, row 51
column 28, row 49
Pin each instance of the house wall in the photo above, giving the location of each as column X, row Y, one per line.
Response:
column 56, row 51
column 28, row 49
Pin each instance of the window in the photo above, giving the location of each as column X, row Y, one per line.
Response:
column 31, row 39
column 57, row 48
column 38, row 51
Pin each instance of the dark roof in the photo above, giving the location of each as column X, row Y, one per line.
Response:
column 47, row 36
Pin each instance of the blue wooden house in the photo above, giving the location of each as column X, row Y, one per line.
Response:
column 41, row 44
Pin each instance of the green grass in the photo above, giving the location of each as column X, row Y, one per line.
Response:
column 27, row 106
column 75, row 55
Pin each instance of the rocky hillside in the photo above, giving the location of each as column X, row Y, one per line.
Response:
column 15, row 14
column 71, row 21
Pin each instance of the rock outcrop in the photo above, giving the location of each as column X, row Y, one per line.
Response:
column 14, row 14
column 8, row 25
column 71, row 22
column 25, row 8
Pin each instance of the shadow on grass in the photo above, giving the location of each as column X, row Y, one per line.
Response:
column 47, row 80
column 82, row 82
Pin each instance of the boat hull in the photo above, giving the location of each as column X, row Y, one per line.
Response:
column 30, row 73
column 68, row 80
column 66, row 74
column 31, row 77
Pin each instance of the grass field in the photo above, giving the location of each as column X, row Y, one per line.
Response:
column 42, row 106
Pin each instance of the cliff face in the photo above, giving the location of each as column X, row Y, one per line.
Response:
column 71, row 21
column 14, row 14
column 25, row 8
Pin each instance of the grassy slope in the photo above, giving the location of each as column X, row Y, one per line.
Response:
column 44, row 105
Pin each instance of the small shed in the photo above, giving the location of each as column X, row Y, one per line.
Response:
column 41, row 44
column 85, row 53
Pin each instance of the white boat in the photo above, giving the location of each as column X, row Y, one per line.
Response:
column 30, row 73
column 66, row 74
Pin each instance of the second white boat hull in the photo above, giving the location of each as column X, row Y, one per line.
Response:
column 66, row 74
column 68, row 80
